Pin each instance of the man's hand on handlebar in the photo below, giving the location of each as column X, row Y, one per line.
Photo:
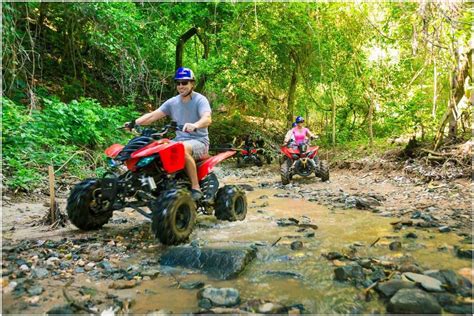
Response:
column 189, row 127
column 130, row 125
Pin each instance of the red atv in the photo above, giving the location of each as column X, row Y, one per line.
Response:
column 302, row 160
column 149, row 172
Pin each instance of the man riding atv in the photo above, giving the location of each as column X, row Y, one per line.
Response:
column 191, row 110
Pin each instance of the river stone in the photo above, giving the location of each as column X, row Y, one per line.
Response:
column 218, row 263
column 35, row 290
column 205, row 303
column 39, row 273
column 389, row 288
column 465, row 253
column 413, row 301
column 62, row 310
column 466, row 309
column 395, row 246
column 220, row 296
column 296, row 245
column 192, row 285
column 428, row 283
column 351, row 271
column 270, row 308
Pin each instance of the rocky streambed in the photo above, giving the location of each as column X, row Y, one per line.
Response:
column 370, row 241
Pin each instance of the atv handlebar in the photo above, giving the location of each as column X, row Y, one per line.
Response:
column 173, row 126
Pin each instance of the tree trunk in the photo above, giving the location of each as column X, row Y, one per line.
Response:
column 371, row 114
column 180, row 46
column 205, row 42
column 291, row 97
column 459, row 75
column 333, row 116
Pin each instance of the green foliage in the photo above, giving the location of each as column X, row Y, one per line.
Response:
column 351, row 57
column 67, row 136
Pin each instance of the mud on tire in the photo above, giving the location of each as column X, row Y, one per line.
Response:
column 231, row 203
column 82, row 208
column 323, row 171
column 174, row 216
column 285, row 171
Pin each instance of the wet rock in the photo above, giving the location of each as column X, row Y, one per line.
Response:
column 287, row 222
column 24, row 268
column 39, row 273
column 377, row 275
column 428, row 283
column 410, row 268
column 463, row 252
column 218, row 263
column 246, row 187
column 35, row 290
column 413, row 301
column 192, row 285
column 220, row 296
column 296, row 245
column 152, row 273
column 445, row 298
column 395, row 246
column 348, row 272
column 119, row 285
column 444, row 229
column 460, row 309
column 411, row 235
column 334, row 255
column 97, row 255
column 205, row 303
column 62, row 310
column 389, row 288
column 309, row 235
column 270, row 308
column 286, row 274
column 449, row 278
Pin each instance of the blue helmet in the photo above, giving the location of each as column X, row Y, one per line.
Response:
column 184, row 73
column 299, row 119
column 293, row 124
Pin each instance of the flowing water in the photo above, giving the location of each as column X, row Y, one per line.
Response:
column 299, row 276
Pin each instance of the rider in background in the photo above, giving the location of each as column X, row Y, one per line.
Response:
column 299, row 134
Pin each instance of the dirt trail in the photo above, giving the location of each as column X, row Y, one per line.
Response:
column 346, row 208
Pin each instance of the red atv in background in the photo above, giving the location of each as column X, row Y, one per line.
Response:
column 149, row 172
column 302, row 160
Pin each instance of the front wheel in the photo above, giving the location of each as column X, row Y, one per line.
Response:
column 231, row 203
column 84, row 207
column 174, row 216
column 285, row 171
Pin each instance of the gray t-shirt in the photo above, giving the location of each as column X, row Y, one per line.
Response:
column 189, row 112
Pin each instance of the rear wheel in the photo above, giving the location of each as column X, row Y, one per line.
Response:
column 323, row 170
column 285, row 171
column 174, row 216
column 84, row 208
column 258, row 162
column 231, row 203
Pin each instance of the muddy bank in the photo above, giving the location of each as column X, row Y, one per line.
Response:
column 301, row 232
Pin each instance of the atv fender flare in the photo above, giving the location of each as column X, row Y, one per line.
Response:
column 207, row 165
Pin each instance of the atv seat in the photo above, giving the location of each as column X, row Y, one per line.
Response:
column 200, row 160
